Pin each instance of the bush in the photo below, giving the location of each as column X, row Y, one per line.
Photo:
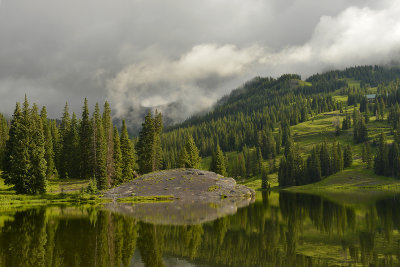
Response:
column 92, row 187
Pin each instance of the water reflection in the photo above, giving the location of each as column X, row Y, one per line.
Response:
column 277, row 230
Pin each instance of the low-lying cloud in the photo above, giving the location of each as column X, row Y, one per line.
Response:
column 356, row 36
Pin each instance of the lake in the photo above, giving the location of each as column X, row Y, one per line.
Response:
column 283, row 229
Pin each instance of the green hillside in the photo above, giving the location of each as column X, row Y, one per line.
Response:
column 260, row 114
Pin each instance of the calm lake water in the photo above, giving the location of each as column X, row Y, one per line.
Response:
column 277, row 230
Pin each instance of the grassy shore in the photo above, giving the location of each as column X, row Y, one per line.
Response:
column 66, row 191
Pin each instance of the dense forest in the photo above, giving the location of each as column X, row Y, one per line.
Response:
column 249, row 133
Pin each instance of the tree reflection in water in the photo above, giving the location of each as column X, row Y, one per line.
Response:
column 277, row 230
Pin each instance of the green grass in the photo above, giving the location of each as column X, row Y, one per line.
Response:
column 356, row 180
column 71, row 195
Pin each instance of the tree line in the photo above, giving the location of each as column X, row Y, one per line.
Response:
column 34, row 148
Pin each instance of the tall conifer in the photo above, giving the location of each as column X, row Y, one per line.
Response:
column 128, row 160
column 85, row 144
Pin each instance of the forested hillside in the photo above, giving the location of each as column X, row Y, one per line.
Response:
column 256, row 125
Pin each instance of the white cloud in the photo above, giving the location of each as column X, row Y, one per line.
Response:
column 356, row 36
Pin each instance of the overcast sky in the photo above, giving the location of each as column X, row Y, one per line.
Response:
column 155, row 52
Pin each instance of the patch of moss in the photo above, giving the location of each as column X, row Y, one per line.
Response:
column 213, row 188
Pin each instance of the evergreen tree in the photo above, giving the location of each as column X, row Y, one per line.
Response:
column 191, row 153
column 347, row 157
column 3, row 138
column 16, row 161
column 117, row 158
column 157, row 148
column 55, row 136
column 49, row 150
column 314, row 166
column 241, row 166
column 99, row 150
column 218, row 162
column 184, row 158
column 72, row 150
column 395, row 156
column 86, row 143
column 381, row 156
column 25, row 164
column 38, row 164
column 64, row 156
column 145, row 145
column 108, row 135
column 264, row 179
column 127, row 152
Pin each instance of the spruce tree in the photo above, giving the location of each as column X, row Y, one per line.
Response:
column 347, row 157
column 381, row 155
column 3, row 138
column 368, row 156
column 38, row 164
column 49, row 150
column 65, row 160
column 157, row 148
column 184, row 158
column 86, row 143
column 314, row 166
column 395, row 160
column 127, row 152
column 99, row 150
column 218, row 160
column 25, row 165
column 117, row 158
column 264, row 179
column 55, row 136
column 108, row 134
column 72, row 149
column 193, row 158
column 145, row 145
column 17, row 161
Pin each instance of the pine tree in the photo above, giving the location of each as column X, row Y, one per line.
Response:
column 17, row 161
column 241, row 166
column 86, row 143
column 184, row 158
column 381, row 156
column 38, row 162
column 193, row 153
column 55, row 136
column 283, row 172
column 99, row 150
column 72, row 149
column 49, row 151
column 264, row 179
column 314, row 166
column 395, row 160
column 145, row 145
column 347, row 157
column 108, row 134
column 127, row 152
column 3, row 138
column 157, row 148
column 25, row 165
column 368, row 156
column 65, row 159
column 117, row 157
column 218, row 160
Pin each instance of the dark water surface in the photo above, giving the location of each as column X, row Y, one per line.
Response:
column 277, row 230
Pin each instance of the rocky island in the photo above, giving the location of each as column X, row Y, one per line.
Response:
column 179, row 196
